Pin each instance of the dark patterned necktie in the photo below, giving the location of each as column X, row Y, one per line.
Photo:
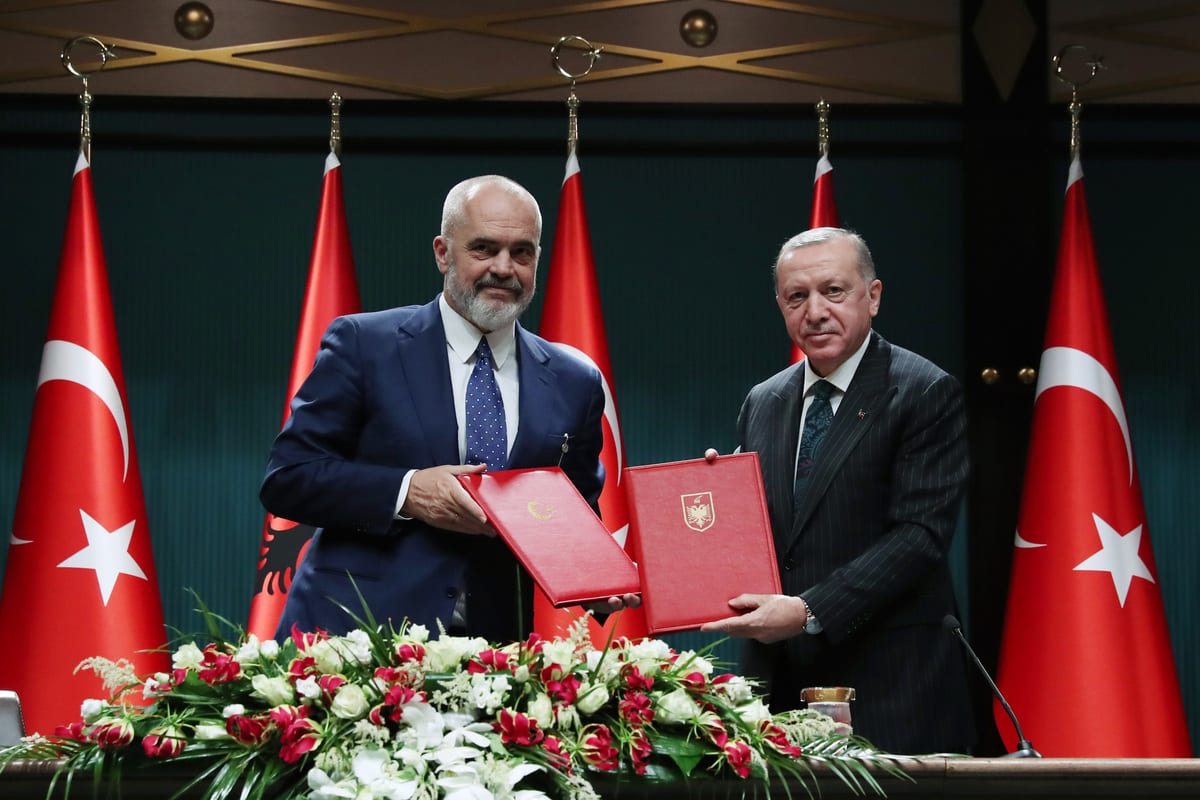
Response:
column 816, row 424
column 487, row 435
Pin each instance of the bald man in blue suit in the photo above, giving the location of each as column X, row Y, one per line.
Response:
column 376, row 437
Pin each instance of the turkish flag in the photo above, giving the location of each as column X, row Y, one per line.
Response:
column 80, row 578
column 573, row 318
column 824, row 213
column 332, row 291
column 1086, row 659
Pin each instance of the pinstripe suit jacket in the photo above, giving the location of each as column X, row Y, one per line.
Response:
column 868, row 546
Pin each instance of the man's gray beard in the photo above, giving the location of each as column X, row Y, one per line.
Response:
column 484, row 315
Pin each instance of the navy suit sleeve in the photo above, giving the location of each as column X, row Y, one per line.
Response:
column 316, row 471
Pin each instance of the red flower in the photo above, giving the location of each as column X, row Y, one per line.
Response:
column 163, row 743
column 306, row 640
column 489, row 661
column 249, row 731
column 517, row 728
column 302, row 668
column 636, row 708
column 737, row 755
column 329, row 685
column 391, row 708
column 716, row 733
column 634, row 679
column 694, row 681
column 299, row 738
column 556, row 754
column 112, row 734
column 598, row 748
column 218, row 667
column 406, row 653
column 777, row 738
column 560, row 687
column 640, row 750
column 76, row 730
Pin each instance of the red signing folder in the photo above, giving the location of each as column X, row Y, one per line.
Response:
column 555, row 534
column 704, row 536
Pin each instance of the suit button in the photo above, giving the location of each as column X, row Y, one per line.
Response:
column 788, row 565
column 451, row 593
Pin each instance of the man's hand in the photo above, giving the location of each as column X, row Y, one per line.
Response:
column 615, row 603
column 765, row 617
column 435, row 496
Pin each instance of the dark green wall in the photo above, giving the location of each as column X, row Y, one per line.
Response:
column 207, row 214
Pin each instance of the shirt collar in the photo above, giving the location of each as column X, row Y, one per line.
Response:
column 463, row 337
column 840, row 377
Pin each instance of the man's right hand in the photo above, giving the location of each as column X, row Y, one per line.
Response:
column 436, row 497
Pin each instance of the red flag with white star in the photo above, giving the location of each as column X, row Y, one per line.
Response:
column 1086, row 658
column 824, row 213
column 331, row 291
column 80, row 578
column 572, row 317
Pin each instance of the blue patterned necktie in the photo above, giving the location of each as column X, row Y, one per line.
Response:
column 487, row 435
column 816, row 424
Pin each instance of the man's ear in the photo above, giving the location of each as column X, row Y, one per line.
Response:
column 441, row 246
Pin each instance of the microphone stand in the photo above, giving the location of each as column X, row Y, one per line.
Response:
column 1024, row 748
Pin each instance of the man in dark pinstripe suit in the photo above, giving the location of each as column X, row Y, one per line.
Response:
column 862, row 539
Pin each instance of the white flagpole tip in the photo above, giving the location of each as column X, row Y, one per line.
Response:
column 1076, row 171
column 824, row 166
column 81, row 164
column 572, row 165
column 331, row 162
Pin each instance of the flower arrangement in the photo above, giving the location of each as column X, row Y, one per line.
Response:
column 399, row 714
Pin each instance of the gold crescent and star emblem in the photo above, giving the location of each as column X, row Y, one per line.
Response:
column 540, row 510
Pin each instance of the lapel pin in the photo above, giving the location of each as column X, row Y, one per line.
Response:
column 862, row 414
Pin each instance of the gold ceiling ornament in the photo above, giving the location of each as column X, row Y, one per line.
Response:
column 324, row 51
column 698, row 28
column 593, row 55
column 194, row 20
column 1077, row 59
column 85, row 97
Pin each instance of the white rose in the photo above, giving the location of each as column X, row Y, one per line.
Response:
column 350, row 702
column 249, row 651
column 541, row 710
column 325, row 653
column 591, row 698
column 207, row 732
column 754, row 712
column 90, row 710
column 233, row 710
column 417, row 633
column 187, row 657
column 276, row 691
column 308, row 688
column 269, row 649
column 675, row 707
column 559, row 651
column 688, row 660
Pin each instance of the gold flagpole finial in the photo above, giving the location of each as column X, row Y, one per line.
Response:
column 1076, row 58
column 85, row 97
column 823, row 126
column 593, row 55
column 335, row 124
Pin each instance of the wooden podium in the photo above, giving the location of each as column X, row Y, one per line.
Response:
column 949, row 778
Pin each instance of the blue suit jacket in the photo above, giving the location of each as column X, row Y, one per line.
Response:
column 868, row 547
column 377, row 404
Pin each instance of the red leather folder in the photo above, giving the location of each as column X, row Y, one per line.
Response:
column 555, row 534
column 704, row 537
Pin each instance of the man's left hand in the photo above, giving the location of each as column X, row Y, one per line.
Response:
column 764, row 617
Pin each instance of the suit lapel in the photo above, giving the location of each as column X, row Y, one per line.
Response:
column 536, row 381
column 865, row 398
column 778, row 453
column 421, row 359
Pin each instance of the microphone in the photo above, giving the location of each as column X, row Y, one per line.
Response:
column 1024, row 748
